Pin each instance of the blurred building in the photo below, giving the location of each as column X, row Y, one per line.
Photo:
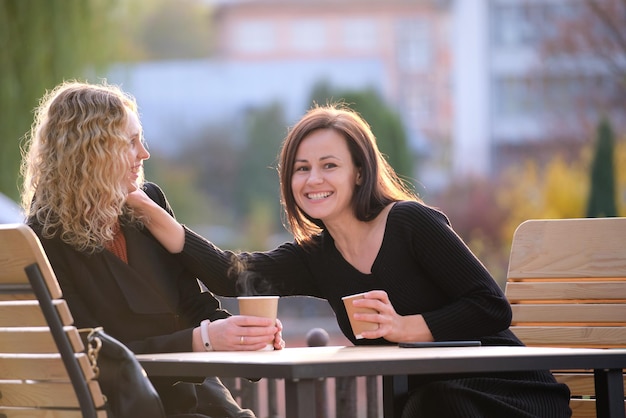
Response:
column 514, row 101
column 409, row 39
column 181, row 100
column 278, row 50
column 466, row 76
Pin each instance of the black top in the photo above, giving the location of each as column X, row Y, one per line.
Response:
column 151, row 304
column 425, row 268
column 422, row 264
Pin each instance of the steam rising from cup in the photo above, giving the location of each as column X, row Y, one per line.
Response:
column 249, row 283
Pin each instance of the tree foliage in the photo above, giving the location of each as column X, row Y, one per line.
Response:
column 42, row 43
column 233, row 164
column 601, row 202
column 486, row 213
column 169, row 30
column 257, row 179
column 558, row 190
column 583, row 46
column 591, row 28
column 472, row 207
column 620, row 164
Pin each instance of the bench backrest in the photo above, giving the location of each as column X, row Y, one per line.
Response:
column 43, row 369
column 566, row 283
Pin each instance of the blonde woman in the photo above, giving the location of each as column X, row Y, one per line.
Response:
column 84, row 155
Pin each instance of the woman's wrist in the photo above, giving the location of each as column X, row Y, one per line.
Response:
column 196, row 340
column 414, row 329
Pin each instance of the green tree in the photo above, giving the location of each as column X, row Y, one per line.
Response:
column 556, row 190
column 620, row 164
column 601, row 201
column 42, row 43
column 257, row 178
column 173, row 30
column 192, row 205
column 385, row 122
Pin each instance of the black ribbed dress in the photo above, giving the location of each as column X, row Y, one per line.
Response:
column 426, row 269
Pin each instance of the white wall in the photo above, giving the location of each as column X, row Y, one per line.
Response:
column 471, row 134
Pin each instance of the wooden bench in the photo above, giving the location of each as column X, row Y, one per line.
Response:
column 43, row 369
column 566, row 283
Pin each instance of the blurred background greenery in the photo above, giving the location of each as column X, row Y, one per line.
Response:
column 226, row 188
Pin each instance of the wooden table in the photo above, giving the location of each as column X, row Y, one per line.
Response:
column 301, row 367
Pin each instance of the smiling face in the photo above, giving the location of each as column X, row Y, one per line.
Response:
column 324, row 176
column 137, row 151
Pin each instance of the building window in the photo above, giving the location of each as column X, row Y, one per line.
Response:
column 418, row 101
column 525, row 24
column 255, row 36
column 515, row 97
column 308, row 35
column 511, row 26
column 414, row 45
column 360, row 35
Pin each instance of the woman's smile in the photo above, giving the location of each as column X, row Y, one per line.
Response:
column 318, row 195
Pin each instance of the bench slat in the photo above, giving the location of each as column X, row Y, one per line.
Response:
column 40, row 366
column 603, row 337
column 45, row 413
column 36, row 340
column 582, row 314
column 27, row 313
column 580, row 383
column 583, row 408
column 28, row 251
column 591, row 290
column 53, row 394
column 591, row 247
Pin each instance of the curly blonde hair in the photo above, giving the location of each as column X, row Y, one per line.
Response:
column 74, row 163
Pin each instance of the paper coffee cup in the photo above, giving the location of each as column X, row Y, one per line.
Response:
column 358, row 326
column 265, row 306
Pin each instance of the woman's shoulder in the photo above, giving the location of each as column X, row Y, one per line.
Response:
column 416, row 208
column 411, row 214
column 37, row 228
column 53, row 245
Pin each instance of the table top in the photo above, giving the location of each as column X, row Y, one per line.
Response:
column 336, row 361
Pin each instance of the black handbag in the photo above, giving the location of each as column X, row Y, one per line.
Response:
column 128, row 391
